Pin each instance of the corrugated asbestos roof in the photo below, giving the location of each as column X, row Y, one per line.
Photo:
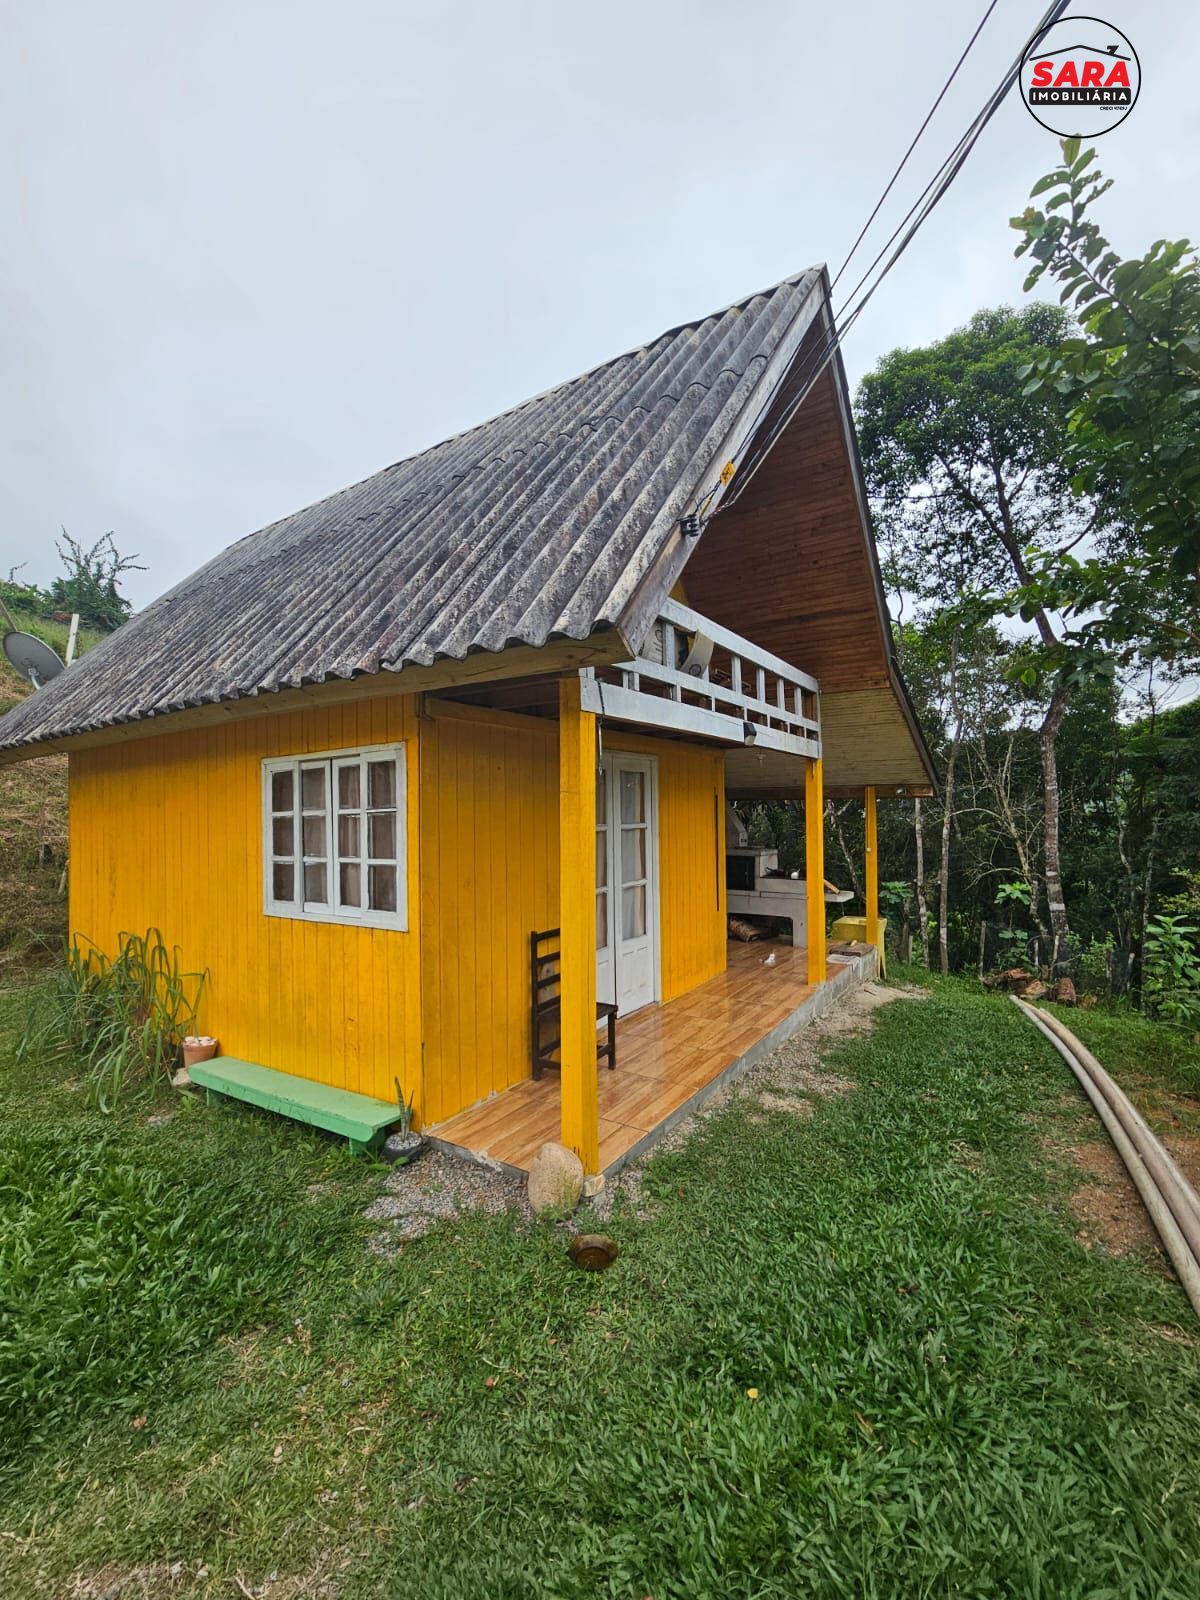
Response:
column 538, row 525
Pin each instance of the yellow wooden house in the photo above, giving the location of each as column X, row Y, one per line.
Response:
column 510, row 686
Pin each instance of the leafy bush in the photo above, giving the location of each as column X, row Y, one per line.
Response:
column 23, row 596
column 1171, row 972
column 91, row 584
column 124, row 1016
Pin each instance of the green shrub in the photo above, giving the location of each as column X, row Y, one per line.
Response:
column 1171, row 972
column 124, row 1017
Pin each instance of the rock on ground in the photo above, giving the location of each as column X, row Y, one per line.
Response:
column 555, row 1179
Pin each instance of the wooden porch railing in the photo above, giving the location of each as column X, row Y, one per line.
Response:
column 694, row 676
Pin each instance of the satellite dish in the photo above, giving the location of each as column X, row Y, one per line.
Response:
column 32, row 657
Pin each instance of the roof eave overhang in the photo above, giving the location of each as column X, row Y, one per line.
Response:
column 555, row 657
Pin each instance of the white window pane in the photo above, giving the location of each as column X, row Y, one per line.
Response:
column 602, row 921
column 349, row 836
column 381, row 837
column 334, row 841
column 383, row 888
column 633, row 912
column 633, row 853
column 312, row 787
column 602, row 860
column 602, row 798
column 633, row 797
column 381, row 784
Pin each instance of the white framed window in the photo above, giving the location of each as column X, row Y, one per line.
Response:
column 334, row 837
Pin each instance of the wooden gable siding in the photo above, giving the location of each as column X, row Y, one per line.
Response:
column 788, row 564
column 489, row 842
column 167, row 832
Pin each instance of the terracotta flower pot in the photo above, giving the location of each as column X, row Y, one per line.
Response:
column 198, row 1048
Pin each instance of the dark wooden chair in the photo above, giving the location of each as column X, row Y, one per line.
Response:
column 545, row 1007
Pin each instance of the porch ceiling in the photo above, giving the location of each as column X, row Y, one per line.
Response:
column 863, row 742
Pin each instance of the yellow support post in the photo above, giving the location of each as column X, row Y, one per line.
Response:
column 871, row 851
column 577, row 919
column 814, row 867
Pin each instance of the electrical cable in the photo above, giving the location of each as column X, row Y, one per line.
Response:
column 905, row 231
column 929, row 115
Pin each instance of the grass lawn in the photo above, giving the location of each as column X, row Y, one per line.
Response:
column 859, row 1355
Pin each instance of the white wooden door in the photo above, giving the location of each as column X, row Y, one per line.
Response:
column 606, row 969
column 627, row 882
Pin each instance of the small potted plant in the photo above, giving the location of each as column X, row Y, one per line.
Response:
column 198, row 1047
column 404, row 1145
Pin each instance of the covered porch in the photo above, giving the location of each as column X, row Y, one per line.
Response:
column 670, row 1058
column 693, row 685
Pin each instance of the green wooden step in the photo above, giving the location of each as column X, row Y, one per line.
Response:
column 357, row 1117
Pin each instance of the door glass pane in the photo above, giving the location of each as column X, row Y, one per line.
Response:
column 633, row 797
column 283, row 881
column 349, row 835
column 381, row 784
column 312, row 788
column 602, row 859
column 633, row 912
column 349, row 788
column 601, row 798
column 283, row 835
column 281, row 791
column 383, row 888
column 350, row 883
column 602, row 921
column 314, row 835
column 381, row 836
column 314, row 884
column 633, row 854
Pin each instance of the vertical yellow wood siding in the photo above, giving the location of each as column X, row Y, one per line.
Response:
column 489, row 842
column 167, row 832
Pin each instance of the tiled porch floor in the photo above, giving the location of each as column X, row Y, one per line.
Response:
column 664, row 1055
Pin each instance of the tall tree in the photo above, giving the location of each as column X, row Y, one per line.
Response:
column 966, row 473
column 1130, row 379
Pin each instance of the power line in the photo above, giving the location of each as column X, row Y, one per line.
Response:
column 905, row 231
column 929, row 115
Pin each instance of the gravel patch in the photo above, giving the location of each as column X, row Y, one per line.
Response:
column 436, row 1189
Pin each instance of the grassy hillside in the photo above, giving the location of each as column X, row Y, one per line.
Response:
column 863, row 1341
column 33, row 825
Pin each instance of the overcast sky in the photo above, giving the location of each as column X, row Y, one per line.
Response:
column 255, row 252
